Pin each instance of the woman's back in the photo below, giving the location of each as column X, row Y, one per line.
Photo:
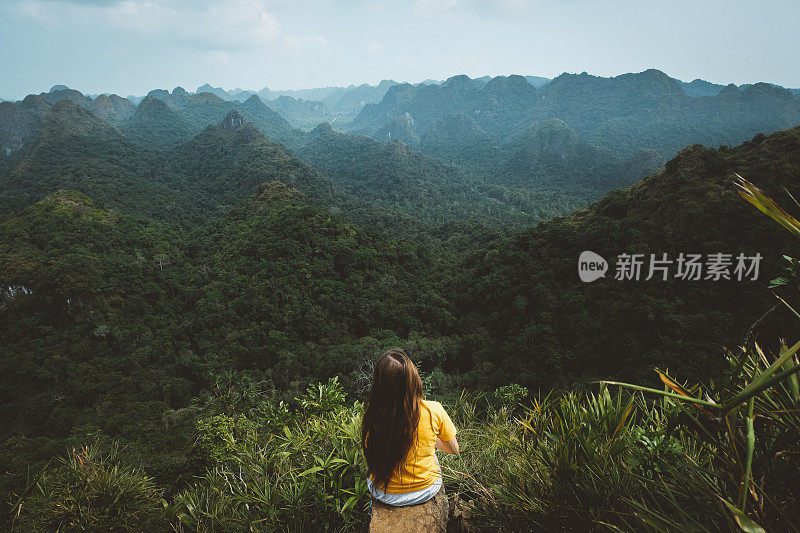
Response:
column 400, row 432
column 421, row 469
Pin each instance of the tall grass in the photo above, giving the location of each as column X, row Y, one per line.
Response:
column 290, row 472
column 89, row 490
column 604, row 460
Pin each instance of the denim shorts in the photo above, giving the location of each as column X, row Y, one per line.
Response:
column 409, row 498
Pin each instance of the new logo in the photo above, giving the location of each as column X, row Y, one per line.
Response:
column 591, row 266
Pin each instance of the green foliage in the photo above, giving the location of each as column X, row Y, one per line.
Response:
column 88, row 490
column 594, row 461
column 790, row 272
column 758, row 390
column 306, row 474
column 575, row 461
column 559, row 464
column 544, row 327
column 323, row 397
column 134, row 326
column 218, row 435
column 510, row 396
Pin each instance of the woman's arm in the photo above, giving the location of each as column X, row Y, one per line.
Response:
column 450, row 446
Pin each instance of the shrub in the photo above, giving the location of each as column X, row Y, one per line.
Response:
column 88, row 490
column 303, row 474
column 510, row 396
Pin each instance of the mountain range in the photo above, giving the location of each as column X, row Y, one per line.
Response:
column 227, row 251
column 186, row 160
column 456, row 120
column 575, row 131
column 148, row 250
column 163, row 122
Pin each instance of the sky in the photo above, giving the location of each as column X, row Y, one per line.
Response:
column 130, row 47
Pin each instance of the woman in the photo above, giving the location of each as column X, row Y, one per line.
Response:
column 400, row 433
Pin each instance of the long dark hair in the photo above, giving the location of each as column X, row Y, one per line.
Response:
column 389, row 426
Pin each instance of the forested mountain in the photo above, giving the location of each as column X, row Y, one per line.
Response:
column 543, row 325
column 114, row 321
column 200, row 110
column 698, row 87
column 306, row 108
column 185, row 115
column 77, row 150
column 154, row 122
column 623, row 115
column 20, row 123
column 494, row 104
column 548, row 155
column 654, row 113
column 229, row 159
column 168, row 119
column 456, row 138
column 222, row 93
column 552, row 151
column 113, row 108
column 175, row 182
column 395, row 176
column 376, row 170
column 159, row 148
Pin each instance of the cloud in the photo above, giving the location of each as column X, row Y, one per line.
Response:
column 87, row 2
column 375, row 47
column 33, row 10
column 227, row 25
column 481, row 7
column 297, row 43
column 433, row 7
column 503, row 7
column 218, row 58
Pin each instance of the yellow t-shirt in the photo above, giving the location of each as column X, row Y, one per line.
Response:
column 420, row 469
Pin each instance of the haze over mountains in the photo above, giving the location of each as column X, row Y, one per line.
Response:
column 575, row 133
